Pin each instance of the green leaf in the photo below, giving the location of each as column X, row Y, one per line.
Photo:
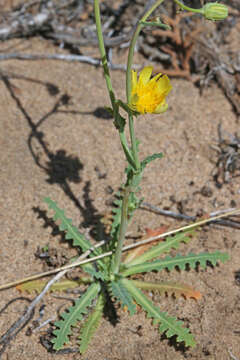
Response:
column 192, row 260
column 171, row 242
column 117, row 215
column 157, row 23
column 180, row 261
column 96, row 274
column 120, row 292
column 72, row 232
column 91, row 324
column 170, row 288
column 150, row 158
column 62, row 285
column 168, row 324
column 72, row 315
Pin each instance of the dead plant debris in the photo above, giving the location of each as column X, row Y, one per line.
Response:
column 228, row 157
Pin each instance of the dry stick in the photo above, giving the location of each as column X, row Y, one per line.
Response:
column 169, row 213
column 31, row 307
column 233, row 357
column 78, row 58
column 128, row 247
column 16, row 327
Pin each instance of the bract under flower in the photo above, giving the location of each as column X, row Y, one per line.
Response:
column 148, row 95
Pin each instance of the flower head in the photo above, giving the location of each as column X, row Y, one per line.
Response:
column 215, row 11
column 148, row 95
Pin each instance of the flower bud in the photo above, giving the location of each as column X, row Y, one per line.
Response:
column 215, row 11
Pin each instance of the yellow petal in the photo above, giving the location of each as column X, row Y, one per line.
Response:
column 164, row 85
column 145, row 75
column 161, row 108
column 156, row 77
column 134, row 79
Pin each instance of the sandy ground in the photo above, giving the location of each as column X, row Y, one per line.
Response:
column 55, row 142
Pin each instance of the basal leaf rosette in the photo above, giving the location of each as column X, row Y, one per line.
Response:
column 148, row 95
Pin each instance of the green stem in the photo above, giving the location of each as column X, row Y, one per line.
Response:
column 128, row 78
column 184, row 7
column 129, row 189
column 103, row 52
column 122, row 232
column 132, row 46
column 126, row 150
column 133, row 142
column 115, row 106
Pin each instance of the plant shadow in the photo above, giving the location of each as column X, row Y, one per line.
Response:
column 61, row 168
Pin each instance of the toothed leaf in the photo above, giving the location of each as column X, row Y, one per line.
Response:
column 168, row 324
column 150, row 158
column 170, row 288
column 120, row 292
column 171, row 242
column 72, row 232
column 96, row 274
column 91, row 324
column 116, row 217
column 72, row 315
column 63, row 285
column 180, row 261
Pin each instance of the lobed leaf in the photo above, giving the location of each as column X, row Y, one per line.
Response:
column 169, row 325
column 72, row 232
column 121, row 293
column 170, row 288
column 91, row 324
column 117, row 215
column 63, row 285
column 171, row 242
column 132, row 254
column 97, row 274
column 150, row 158
column 192, row 260
column 180, row 261
column 72, row 315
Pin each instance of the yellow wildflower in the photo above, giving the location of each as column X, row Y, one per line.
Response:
column 148, row 95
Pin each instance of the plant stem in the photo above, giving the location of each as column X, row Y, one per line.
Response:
column 128, row 78
column 133, row 142
column 130, row 187
column 122, row 231
column 103, row 52
column 132, row 46
column 184, row 7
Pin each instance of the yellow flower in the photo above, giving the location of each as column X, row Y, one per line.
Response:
column 148, row 95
